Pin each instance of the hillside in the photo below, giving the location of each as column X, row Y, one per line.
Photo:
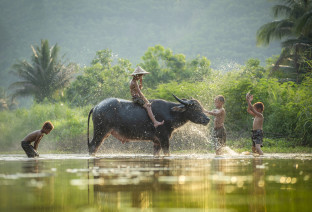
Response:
column 223, row 31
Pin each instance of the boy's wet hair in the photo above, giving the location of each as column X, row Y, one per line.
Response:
column 259, row 105
column 220, row 98
column 48, row 126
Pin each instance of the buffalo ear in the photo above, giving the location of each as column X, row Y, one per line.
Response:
column 180, row 108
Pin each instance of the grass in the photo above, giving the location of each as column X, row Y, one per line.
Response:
column 270, row 146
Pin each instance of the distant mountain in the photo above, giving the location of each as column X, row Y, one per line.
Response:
column 224, row 30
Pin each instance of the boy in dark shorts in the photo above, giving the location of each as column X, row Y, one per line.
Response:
column 219, row 132
column 137, row 95
column 256, row 111
column 36, row 136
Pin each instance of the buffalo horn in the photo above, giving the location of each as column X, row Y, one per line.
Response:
column 180, row 100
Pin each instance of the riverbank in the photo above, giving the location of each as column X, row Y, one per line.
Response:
column 270, row 146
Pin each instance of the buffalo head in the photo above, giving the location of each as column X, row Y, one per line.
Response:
column 192, row 109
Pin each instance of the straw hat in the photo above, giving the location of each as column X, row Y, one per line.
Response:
column 139, row 70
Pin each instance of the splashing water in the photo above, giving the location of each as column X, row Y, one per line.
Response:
column 228, row 151
column 227, row 65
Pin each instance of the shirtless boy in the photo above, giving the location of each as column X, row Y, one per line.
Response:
column 219, row 132
column 137, row 95
column 36, row 136
column 256, row 111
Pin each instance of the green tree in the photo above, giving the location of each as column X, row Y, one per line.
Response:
column 44, row 76
column 304, row 98
column 101, row 80
column 294, row 29
column 104, row 57
column 164, row 66
column 253, row 69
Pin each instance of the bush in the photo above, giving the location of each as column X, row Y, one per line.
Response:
column 69, row 125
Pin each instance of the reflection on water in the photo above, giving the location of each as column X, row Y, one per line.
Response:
column 123, row 183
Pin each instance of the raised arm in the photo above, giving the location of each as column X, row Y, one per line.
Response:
column 251, row 110
column 248, row 108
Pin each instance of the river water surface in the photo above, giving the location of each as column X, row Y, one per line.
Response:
column 276, row 182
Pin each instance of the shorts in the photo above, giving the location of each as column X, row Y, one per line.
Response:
column 29, row 149
column 219, row 137
column 138, row 100
column 257, row 137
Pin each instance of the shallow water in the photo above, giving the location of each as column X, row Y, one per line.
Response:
column 275, row 182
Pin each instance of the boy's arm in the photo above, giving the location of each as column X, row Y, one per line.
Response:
column 37, row 141
column 140, row 92
column 141, row 84
column 248, row 100
column 252, row 109
column 250, row 112
column 214, row 112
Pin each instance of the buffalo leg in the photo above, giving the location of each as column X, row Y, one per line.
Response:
column 99, row 136
column 165, row 146
column 156, row 148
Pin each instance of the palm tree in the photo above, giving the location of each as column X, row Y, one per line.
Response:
column 44, row 76
column 295, row 32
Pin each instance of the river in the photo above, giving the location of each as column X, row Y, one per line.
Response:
column 196, row 182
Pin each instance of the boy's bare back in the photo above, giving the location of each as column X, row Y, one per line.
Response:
column 35, row 136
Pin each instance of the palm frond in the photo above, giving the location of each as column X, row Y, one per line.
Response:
column 26, row 90
column 274, row 30
column 304, row 24
column 280, row 10
column 302, row 42
column 18, row 84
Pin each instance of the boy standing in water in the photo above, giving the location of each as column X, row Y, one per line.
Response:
column 219, row 132
column 256, row 111
column 36, row 136
column 137, row 95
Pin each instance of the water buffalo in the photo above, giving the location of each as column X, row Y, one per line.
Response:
column 127, row 121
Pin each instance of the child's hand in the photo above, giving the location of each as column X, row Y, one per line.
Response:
column 247, row 96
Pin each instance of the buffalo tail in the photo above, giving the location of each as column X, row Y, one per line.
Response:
column 91, row 111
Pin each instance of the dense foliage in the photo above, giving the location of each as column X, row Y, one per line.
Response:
column 288, row 111
column 101, row 80
column 68, row 134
